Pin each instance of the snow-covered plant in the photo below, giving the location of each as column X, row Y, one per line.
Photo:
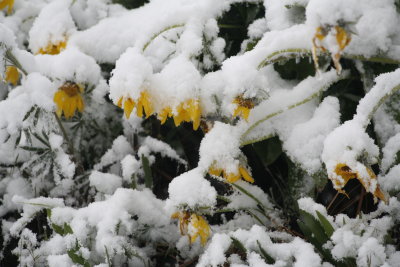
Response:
column 199, row 133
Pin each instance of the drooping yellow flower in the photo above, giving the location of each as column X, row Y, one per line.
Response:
column 68, row 99
column 193, row 226
column 185, row 111
column 143, row 105
column 243, row 107
column 12, row 75
column 53, row 49
column 232, row 177
column 342, row 37
column 344, row 173
column 9, row 3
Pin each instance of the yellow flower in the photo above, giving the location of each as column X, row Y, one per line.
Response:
column 230, row 176
column 143, row 105
column 53, row 49
column 12, row 75
column 346, row 174
column 68, row 99
column 243, row 107
column 193, row 226
column 185, row 111
column 9, row 3
column 342, row 37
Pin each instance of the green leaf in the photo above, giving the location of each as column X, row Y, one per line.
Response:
column 148, row 178
column 67, row 229
column 236, row 243
column 77, row 258
column 325, row 224
column 318, row 232
column 58, row 229
column 268, row 259
column 33, row 149
column 48, row 213
column 29, row 113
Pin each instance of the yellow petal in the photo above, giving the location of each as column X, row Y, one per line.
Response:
column 9, row 3
column 232, row 177
column 345, row 172
column 246, row 175
column 164, row 114
column 119, row 103
column 179, row 117
column 214, row 171
column 342, row 37
column 145, row 99
column 195, row 113
column 129, row 104
column 12, row 75
column 201, row 228
column 139, row 109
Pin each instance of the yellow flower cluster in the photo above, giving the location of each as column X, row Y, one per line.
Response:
column 53, row 49
column 193, row 226
column 68, row 99
column 243, row 107
column 12, row 75
column 9, row 3
column 342, row 37
column 185, row 111
column 230, row 176
column 346, row 173
column 143, row 105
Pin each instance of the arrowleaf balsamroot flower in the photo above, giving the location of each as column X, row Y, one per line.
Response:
column 9, row 4
column 12, row 75
column 193, row 226
column 232, row 177
column 342, row 38
column 53, row 48
column 344, row 173
column 143, row 105
column 186, row 111
column 68, row 99
column 243, row 107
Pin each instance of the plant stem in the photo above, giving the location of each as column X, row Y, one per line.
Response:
column 289, row 53
column 64, row 133
column 160, row 32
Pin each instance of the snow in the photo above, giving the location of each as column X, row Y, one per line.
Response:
column 53, row 25
column 192, row 190
column 104, row 182
column 174, row 51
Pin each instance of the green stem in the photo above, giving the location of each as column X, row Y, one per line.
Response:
column 13, row 60
column 289, row 53
column 380, row 102
column 256, row 140
column 160, row 32
column 271, row 115
column 64, row 133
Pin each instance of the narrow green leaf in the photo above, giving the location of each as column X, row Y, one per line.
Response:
column 268, row 259
column 33, row 149
column 325, row 224
column 48, row 213
column 77, row 258
column 148, row 178
column 29, row 113
column 67, row 229
column 314, row 226
column 58, row 229
column 236, row 243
